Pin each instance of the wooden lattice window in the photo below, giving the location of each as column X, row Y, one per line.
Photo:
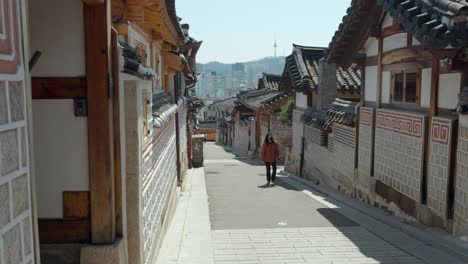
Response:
column 406, row 87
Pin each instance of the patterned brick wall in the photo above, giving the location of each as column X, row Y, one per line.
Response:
column 335, row 165
column 461, row 191
column 366, row 142
column 282, row 135
column 293, row 165
column 399, row 151
column 439, row 165
column 159, row 176
column 16, row 244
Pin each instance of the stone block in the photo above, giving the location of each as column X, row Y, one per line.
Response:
column 24, row 149
column 16, row 100
column 4, row 205
column 12, row 252
column 27, row 236
column 3, row 104
column 9, row 156
column 20, row 195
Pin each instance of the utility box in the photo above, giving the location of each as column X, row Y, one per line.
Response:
column 197, row 150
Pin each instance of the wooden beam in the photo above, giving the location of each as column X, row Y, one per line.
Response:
column 434, row 87
column 76, row 205
column 379, row 73
column 61, row 231
column 93, row 2
column 58, row 88
column 100, row 128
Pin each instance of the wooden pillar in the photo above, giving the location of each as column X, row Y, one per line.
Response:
column 100, row 127
column 117, row 147
column 434, row 87
column 379, row 74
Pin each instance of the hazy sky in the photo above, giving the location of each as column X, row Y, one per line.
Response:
column 242, row 30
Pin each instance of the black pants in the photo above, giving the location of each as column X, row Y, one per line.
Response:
column 271, row 176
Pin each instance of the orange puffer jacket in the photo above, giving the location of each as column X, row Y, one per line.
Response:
column 270, row 152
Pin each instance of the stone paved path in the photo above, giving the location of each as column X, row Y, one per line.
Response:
column 252, row 223
column 227, row 215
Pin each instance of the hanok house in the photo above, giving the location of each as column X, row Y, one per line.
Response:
column 93, row 140
column 256, row 114
column 222, row 111
column 323, row 126
column 412, row 143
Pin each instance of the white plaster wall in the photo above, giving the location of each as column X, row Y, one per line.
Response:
column 449, row 88
column 388, row 21
column 61, row 154
column 370, row 92
column 301, row 100
column 372, row 47
column 416, row 42
column 386, row 84
column 426, row 87
column 395, row 42
column 57, row 29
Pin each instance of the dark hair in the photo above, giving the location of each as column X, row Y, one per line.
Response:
column 267, row 137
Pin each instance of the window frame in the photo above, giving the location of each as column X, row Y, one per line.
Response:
column 417, row 103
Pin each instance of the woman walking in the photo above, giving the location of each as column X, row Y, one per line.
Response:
column 270, row 154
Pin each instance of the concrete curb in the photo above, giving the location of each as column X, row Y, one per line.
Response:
column 445, row 242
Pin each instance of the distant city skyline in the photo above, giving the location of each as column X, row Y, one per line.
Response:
column 245, row 30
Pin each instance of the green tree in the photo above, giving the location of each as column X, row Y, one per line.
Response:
column 285, row 117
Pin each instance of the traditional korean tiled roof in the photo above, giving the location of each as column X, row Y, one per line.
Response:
column 269, row 81
column 171, row 9
column 302, row 68
column 133, row 64
column 342, row 112
column 260, row 99
column 437, row 24
column 228, row 103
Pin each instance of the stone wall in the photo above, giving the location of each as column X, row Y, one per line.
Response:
column 282, row 135
column 461, row 182
column 439, row 166
column 366, row 144
column 151, row 177
column 294, row 159
column 183, row 157
column 16, row 232
column 240, row 141
column 331, row 160
column 159, row 176
column 399, row 151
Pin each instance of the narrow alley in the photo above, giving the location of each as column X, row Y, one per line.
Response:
column 286, row 223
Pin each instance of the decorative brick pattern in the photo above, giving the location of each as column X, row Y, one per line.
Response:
column 405, row 124
column 439, row 165
column 344, row 135
column 335, row 164
column 314, row 135
column 159, row 175
column 366, row 143
column 15, row 206
column 16, row 91
column 399, row 151
column 461, row 190
column 9, row 149
column 12, row 245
